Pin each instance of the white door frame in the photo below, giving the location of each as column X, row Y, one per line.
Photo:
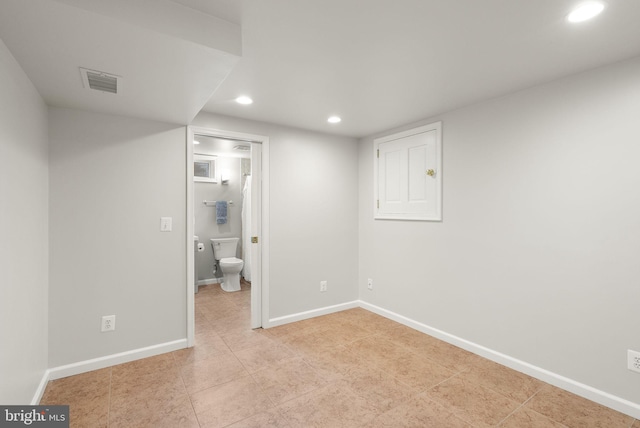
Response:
column 259, row 225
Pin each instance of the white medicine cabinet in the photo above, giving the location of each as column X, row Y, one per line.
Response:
column 408, row 174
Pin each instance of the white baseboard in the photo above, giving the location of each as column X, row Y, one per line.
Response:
column 112, row 360
column 274, row 322
column 208, row 281
column 41, row 387
column 609, row 400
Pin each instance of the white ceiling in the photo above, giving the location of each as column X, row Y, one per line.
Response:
column 376, row 63
column 208, row 145
column 229, row 10
column 171, row 61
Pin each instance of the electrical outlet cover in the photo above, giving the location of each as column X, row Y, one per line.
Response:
column 108, row 323
column 633, row 360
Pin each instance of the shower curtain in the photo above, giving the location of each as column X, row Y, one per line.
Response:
column 246, row 229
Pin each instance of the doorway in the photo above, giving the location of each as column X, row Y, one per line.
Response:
column 234, row 166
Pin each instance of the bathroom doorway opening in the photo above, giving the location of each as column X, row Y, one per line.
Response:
column 230, row 167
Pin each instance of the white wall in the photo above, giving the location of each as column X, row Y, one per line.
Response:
column 537, row 255
column 111, row 179
column 23, row 234
column 313, row 214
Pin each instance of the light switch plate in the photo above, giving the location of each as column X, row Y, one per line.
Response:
column 166, row 224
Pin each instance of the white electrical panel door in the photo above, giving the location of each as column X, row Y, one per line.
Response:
column 408, row 175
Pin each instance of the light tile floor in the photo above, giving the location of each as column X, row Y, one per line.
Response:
column 349, row 369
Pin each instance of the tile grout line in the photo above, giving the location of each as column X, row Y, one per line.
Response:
column 421, row 391
column 109, row 397
column 275, row 406
column 179, row 369
column 478, row 384
column 251, row 375
column 460, row 372
column 302, row 357
column 261, row 388
column 334, row 369
column 524, row 403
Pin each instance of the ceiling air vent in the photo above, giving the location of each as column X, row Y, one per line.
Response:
column 100, row 81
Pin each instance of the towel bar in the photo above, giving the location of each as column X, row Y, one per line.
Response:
column 213, row 203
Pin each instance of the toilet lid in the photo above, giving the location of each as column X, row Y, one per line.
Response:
column 230, row 261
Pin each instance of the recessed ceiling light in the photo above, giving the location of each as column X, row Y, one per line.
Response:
column 244, row 100
column 196, row 142
column 585, row 11
column 334, row 119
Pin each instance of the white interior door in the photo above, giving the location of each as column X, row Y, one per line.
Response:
column 256, row 235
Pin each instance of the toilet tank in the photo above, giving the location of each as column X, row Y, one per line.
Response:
column 224, row 247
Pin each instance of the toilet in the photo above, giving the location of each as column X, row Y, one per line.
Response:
column 224, row 251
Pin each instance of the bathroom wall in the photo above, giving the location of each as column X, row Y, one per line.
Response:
column 206, row 226
column 24, row 234
column 111, row 179
column 537, row 253
column 313, row 214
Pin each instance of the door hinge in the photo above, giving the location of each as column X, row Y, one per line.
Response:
column 378, row 153
column 254, row 239
column 378, row 203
